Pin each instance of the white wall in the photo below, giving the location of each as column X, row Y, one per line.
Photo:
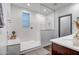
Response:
column 15, row 23
column 41, row 20
column 3, row 31
column 49, row 23
column 70, row 9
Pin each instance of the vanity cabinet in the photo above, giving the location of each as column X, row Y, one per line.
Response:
column 13, row 49
column 61, row 50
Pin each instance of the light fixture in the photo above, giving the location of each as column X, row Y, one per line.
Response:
column 28, row 4
column 45, row 10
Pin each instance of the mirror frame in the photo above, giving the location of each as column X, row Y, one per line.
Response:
column 59, row 19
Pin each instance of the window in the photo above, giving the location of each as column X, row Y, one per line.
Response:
column 25, row 20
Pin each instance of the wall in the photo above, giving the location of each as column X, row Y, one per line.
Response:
column 70, row 9
column 73, row 8
column 49, row 23
column 3, row 31
column 15, row 23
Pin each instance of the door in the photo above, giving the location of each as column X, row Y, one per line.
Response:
column 65, row 25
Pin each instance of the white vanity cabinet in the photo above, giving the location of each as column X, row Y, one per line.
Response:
column 13, row 47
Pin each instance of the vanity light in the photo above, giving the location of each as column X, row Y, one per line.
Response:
column 45, row 10
column 28, row 4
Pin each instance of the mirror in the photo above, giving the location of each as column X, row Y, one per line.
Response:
column 65, row 25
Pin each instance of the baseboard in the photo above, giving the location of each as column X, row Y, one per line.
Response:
column 46, row 44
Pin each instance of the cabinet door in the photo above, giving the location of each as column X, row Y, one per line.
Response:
column 61, row 50
column 13, row 49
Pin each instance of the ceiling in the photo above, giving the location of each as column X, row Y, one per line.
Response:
column 55, row 5
column 43, row 8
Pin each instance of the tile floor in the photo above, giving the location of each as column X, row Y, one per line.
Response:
column 40, row 51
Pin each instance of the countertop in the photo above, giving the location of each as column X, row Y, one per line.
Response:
column 13, row 41
column 66, row 41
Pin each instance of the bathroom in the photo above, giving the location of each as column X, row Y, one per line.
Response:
column 33, row 34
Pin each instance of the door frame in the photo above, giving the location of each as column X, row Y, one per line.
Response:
column 59, row 23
